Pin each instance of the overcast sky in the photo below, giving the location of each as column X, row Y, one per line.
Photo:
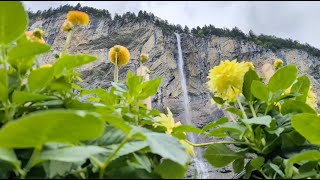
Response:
column 296, row 20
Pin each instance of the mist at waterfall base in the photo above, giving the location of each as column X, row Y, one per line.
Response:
column 198, row 160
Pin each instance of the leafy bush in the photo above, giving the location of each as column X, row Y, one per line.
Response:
column 276, row 126
column 47, row 131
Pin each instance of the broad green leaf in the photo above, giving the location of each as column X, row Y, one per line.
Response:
column 218, row 155
column 166, row 146
column 72, row 154
column 149, row 88
column 58, row 169
column 294, row 106
column 277, row 169
column 302, row 87
column 235, row 111
column 218, row 100
column 133, row 83
column 291, row 139
column 9, row 156
column 13, row 21
column 256, row 163
column 187, row 128
column 22, row 97
column 215, row 123
column 263, row 120
column 218, row 133
column 68, row 62
column 171, row 170
column 42, row 127
column 27, row 48
column 249, row 77
column 114, row 120
column 260, row 91
column 313, row 155
column 3, row 86
column 236, row 128
column 308, row 125
column 130, row 147
column 112, row 135
column 283, row 78
column 238, row 165
column 39, row 78
column 143, row 162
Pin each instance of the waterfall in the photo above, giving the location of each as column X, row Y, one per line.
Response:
column 198, row 160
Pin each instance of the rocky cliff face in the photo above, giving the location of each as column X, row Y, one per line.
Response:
column 199, row 54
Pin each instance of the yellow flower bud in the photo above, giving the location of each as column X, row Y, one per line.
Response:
column 66, row 26
column 144, row 57
column 119, row 55
column 278, row 63
column 38, row 33
column 78, row 17
column 30, row 35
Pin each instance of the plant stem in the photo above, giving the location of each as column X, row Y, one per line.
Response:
column 220, row 142
column 105, row 165
column 68, row 40
column 241, row 107
column 252, row 109
column 116, row 70
column 32, row 162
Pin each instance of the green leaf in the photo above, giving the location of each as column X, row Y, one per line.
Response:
column 238, row 165
column 249, row 77
column 3, row 86
column 263, row 120
column 294, row 106
column 308, row 125
column 292, row 139
column 143, row 162
column 130, row 147
column 313, row 155
column 133, row 83
column 72, row 154
column 215, row 123
column 218, row 100
column 149, row 88
column 58, row 169
column 187, row 128
column 13, row 21
column 68, row 62
column 283, row 78
column 260, row 91
column 23, row 55
column 38, row 128
column 171, row 170
column 302, row 87
column 39, row 78
column 277, row 169
column 166, row 146
column 21, row 97
column 8, row 155
column 254, row 164
column 218, row 133
column 235, row 111
column 218, row 155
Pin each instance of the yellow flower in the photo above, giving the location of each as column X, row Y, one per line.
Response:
column 119, row 55
column 188, row 147
column 78, row 17
column 312, row 99
column 144, row 57
column 166, row 121
column 278, row 63
column 250, row 65
column 66, row 26
column 226, row 79
column 36, row 36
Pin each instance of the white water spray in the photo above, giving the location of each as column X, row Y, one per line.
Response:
column 198, row 160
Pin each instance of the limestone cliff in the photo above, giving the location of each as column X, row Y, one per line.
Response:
column 199, row 54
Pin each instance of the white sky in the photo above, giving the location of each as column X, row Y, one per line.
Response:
column 285, row 19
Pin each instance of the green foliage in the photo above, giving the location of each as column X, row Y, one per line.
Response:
column 48, row 131
column 275, row 127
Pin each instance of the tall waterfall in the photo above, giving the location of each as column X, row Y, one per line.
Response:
column 198, row 160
